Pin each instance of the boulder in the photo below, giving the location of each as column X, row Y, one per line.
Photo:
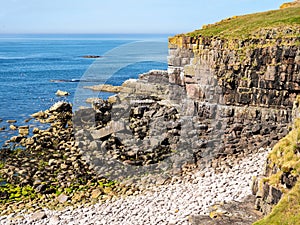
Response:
column 11, row 121
column 39, row 114
column 62, row 93
column 60, row 107
column 24, row 130
column 62, row 198
column 13, row 127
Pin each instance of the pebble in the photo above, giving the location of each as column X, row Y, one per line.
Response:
column 167, row 204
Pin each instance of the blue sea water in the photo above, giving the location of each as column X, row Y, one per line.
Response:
column 29, row 64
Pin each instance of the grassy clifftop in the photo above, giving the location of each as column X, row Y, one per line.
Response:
column 242, row 27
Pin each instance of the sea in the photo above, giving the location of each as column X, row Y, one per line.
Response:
column 33, row 67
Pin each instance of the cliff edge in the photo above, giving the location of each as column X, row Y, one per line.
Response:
column 251, row 65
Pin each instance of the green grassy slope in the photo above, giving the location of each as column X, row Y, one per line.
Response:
column 243, row 26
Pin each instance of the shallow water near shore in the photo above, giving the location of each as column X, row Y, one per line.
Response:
column 34, row 67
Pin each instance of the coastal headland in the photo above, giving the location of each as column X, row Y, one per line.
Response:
column 212, row 140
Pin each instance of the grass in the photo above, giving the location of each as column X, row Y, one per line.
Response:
column 242, row 27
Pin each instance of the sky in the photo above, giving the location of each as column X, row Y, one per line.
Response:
column 121, row 16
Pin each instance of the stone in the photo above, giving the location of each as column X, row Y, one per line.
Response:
column 35, row 130
column 23, row 130
column 105, row 88
column 52, row 162
column 60, row 107
column 29, row 141
column 110, row 128
column 63, row 166
column 38, row 216
column 62, row 93
column 54, row 220
column 16, row 139
column 62, row 198
column 96, row 193
column 13, row 127
column 112, row 99
column 39, row 114
column 11, row 121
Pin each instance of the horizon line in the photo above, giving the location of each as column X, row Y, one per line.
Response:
column 134, row 33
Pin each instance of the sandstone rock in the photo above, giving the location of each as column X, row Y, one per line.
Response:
column 13, row 127
column 23, row 130
column 11, row 121
column 91, row 100
column 112, row 127
column 96, row 193
column 29, row 141
column 105, row 88
column 60, row 106
column 62, row 93
column 39, row 114
column 112, row 99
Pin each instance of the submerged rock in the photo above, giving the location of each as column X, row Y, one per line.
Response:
column 91, row 56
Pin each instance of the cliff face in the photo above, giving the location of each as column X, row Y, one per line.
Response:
column 251, row 85
column 256, row 72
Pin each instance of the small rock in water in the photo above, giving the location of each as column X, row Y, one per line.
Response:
column 11, row 121
column 13, row 127
column 2, row 128
column 62, row 93
column 27, row 120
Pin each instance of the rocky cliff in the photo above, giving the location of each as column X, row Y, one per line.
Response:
column 253, row 82
column 228, row 94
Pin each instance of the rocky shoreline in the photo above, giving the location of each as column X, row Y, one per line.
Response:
column 67, row 164
column 182, row 146
column 182, row 201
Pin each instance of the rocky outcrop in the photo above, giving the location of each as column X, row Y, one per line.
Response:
column 289, row 4
column 104, row 88
column 218, row 101
column 281, row 172
column 44, row 167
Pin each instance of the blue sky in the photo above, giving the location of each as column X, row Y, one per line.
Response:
column 121, row 16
